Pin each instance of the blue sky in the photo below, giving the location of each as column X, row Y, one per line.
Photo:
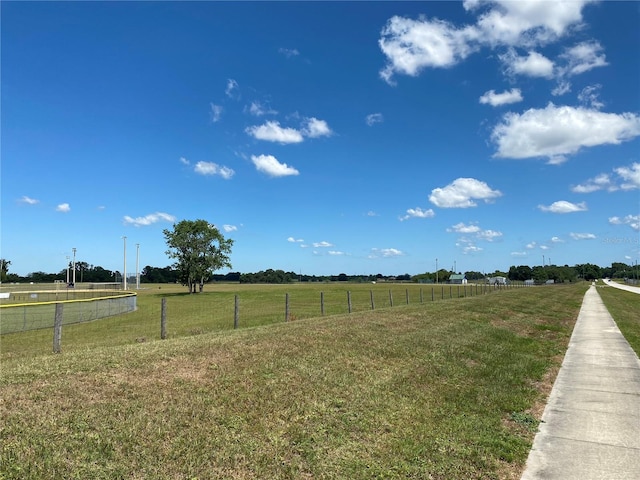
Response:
column 325, row 137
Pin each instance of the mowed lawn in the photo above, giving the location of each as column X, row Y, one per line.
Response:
column 441, row 390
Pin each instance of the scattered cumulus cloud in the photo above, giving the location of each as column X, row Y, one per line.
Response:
column 373, row 118
column 599, row 182
column 210, row 168
column 497, row 99
column 582, row 236
column 371, row 213
column 462, row 193
column 289, row 52
column 215, row 112
column 632, row 220
column 462, row 228
column 417, row 213
column 184, row 161
column 555, row 132
column 336, row 253
column 272, row 132
column 556, row 240
column 233, row 89
column 562, row 206
column 322, row 244
column 533, row 65
column 258, row 109
column 630, row 176
column 315, row 128
column 295, row 240
column 583, row 57
column 588, row 97
column 519, row 254
column 412, row 45
column 149, row 219
column 270, row 165
column 28, row 200
column 230, row 228
column 63, row 207
column 385, row 253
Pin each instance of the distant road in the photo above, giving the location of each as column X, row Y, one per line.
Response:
column 628, row 288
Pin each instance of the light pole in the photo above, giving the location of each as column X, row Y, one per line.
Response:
column 67, row 270
column 74, row 267
column 137, row 266
column 124, row 273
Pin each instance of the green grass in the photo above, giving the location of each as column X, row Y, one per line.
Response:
column 442, row 390
column 624, row 307
column 213, row 311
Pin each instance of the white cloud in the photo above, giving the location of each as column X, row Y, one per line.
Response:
column 229, row 228
column 531, row 245
column 462, row 228
column 471, row 249
column 271, row 166
column 583, row 57
column 632, row 220
column 461, row 193
column 533, row 65
column 489, row 235
column 63, row 207
column 257, row 109
column 272, row 132
column 589, row 97
column 295, row 240
column 625, row 178
column 373, row 118
column 216, row 112
column 496, row 99
column 322, row 244
column 555, row 132
column 29, row 200
column 599, row 182
column 210, row 168
column 232, row 89
column 562, row 88
column 412, row 45
column 149, row 219
column 519, row 254
column 562, row 206
column 289, row 52
column 582, row 236
column 417, row 213
column 630, row 175
column 184, row 161
column 315, row 128
column 371, row 213
column 556, row 240
column 335, row 253
column 385, row 253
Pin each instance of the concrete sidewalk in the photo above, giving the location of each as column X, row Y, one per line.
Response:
column 591, row 425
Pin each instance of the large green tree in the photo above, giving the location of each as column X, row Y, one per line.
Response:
column 199, row 249
column 4, row 269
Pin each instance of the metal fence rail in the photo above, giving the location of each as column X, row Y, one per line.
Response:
column 21, row 317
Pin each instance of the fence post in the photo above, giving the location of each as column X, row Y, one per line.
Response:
column 442, row 292
column 57, row 329
column 236, row 312
column 286, row 307
column 421, row 297
column 373, row 307
column 450, row 291
column 432, row 289
column 390, row 298
column 406, row 292
column 349, row 300
column 163, row 319
column 322, row 303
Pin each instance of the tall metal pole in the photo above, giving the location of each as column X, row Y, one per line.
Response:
column 74, row 266
column 67, row 270
column 137, row 266
column 124, row 274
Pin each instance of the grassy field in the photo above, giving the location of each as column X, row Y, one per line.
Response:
column 213, row 310
column 439, row 390
column 624, row 307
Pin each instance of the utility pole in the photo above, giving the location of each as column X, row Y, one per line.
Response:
column 74, row 266
column 137, row 266
column 124, row 273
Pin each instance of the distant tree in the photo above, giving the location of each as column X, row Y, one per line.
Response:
column 4, row 269
column 199, row 249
